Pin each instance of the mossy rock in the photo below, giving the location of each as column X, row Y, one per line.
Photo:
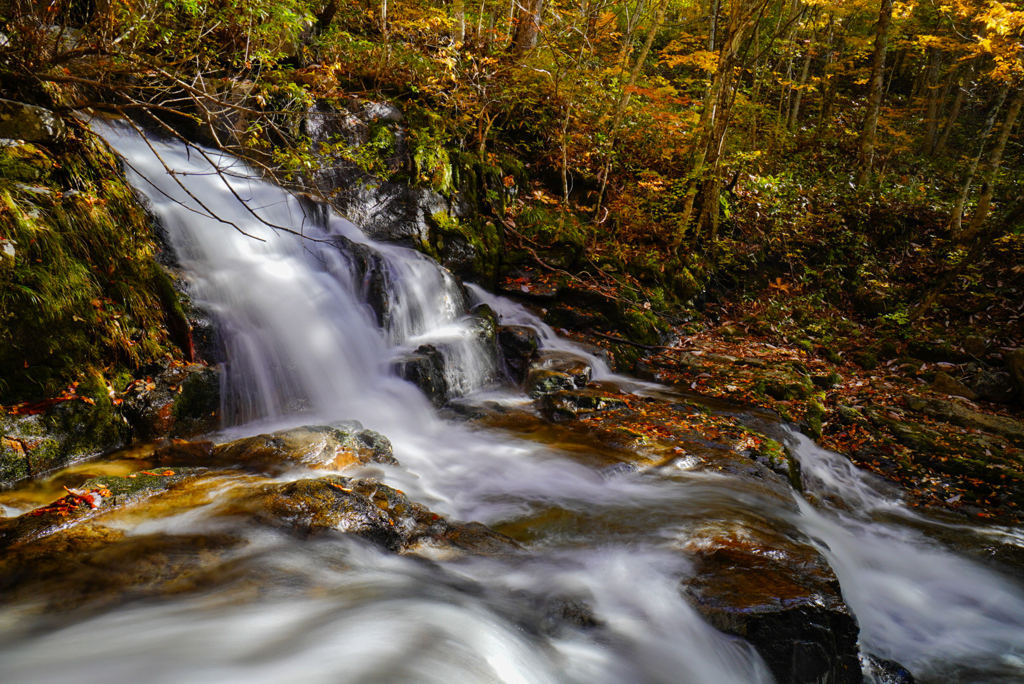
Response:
column 469, row 248
column 69, row 431
column 75, row 228
column 644, row 327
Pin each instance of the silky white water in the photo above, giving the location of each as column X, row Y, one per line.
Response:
column 934, row 612
column 303, row 346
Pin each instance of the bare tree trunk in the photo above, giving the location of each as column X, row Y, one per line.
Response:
column 954, row 111
column 794, row 112
column 931, row 115
column 958, row 208
column 620, row 109
column 867, row 141
column 528, row 27
column 988, row 187
column 459, row 12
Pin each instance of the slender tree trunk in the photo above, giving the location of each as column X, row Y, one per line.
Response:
column 867, row 140
column 324, row 19
column 459, row 13
column 954, row 111
column 988, row 187
column 958, row 208
column 713, row 28
column 794, row 112
column 620, row 109
column 931, row 115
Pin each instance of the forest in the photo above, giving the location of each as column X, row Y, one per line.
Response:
column 512, row 341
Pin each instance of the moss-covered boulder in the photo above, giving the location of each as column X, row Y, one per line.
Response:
column 79, row 286
column 181, row 401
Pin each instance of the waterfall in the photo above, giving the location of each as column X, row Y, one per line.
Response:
column 314, row 318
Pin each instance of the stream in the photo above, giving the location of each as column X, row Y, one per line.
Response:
column 312, row 336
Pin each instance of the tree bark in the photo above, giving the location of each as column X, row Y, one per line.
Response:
column 958, row 209
column 459, row 13
column 867, row 140
column 988, row 187
column 954, row 111
column 794, row 112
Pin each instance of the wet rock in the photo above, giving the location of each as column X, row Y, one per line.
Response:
column 315, row 447
column 483, row 325
column 369, row 510
column 776, row 591
column 997, row 387
column 93, row 567
column 390, row 211
column 881, row 671
column 19, row 121
column 569, row 404
column 182, row 401
column 517, row 346
column 93, row 497
column 953, row 412
column 1015, row 364
column 425, row 369
column 553, row 371
column 947, row 384
column 35, row 445
column 372, row 273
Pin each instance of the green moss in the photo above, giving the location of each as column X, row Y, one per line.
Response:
column 199, row 396
column 866, row 360
column 685, row 285
column 644, row 327
column 472, row 249
column 79, row 290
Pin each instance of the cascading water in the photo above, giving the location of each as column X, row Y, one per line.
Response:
column 313, row 325
column 944, row 617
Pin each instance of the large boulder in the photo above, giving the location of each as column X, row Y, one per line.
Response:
column 182, row 401
column 517, row 346
column 320, row 447
column 958, row 414
column 20, row 121
column 776, row 591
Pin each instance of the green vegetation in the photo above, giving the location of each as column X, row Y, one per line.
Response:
column 79, row 290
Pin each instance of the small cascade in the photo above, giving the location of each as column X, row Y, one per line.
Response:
column 944, row 617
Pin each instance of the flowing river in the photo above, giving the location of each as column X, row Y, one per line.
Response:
column 303, row 346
